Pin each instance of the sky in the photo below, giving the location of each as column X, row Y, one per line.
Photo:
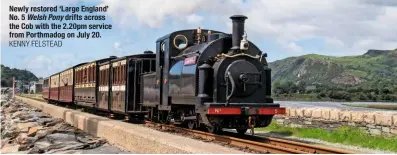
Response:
column 281, row 28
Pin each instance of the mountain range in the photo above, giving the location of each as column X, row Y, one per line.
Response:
column 367, row 69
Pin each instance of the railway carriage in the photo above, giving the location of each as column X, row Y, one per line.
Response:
column 86, row 85
column 66, row 83
column 46, row 88
column 124, row 85
column 54, row 87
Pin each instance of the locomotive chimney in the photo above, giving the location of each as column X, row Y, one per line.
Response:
column 238, row 30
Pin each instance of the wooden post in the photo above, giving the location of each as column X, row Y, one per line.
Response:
column 13, row 87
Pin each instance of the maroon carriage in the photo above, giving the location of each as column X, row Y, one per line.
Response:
column 46, row 89
column 54, row 87
column 66, row 85
column 86, row 83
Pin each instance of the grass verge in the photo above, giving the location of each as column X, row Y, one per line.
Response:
column 31, row 95
column 375, row 106
column 343, row 135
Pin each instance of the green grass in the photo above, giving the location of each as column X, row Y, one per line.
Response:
column 32, row 95
column 343, row 135
column 357, row 73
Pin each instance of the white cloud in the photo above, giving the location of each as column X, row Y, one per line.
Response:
column 39, row 62
column 294, row 47
column 117, row 45
column 345, row 21
column 194, row 19
column 41, row 65
column 150, row 12
column 334, row 43
column 345, row 24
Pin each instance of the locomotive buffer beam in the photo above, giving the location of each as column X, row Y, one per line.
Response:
column 244, row 110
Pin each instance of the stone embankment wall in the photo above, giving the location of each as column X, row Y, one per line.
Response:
column 374, row 122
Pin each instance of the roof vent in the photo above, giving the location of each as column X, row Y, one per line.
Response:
column 114, row 57
column 148, row 52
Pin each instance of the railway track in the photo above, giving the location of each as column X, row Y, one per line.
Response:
column 258, row 144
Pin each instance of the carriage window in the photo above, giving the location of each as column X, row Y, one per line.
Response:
column 90, row 74
column 80, row 77
column 104, row 76
column 85, row 75
column 107, row 75
column 122, row 74
column 114, row 75
column 100, row 77
column 77, row 74
column 93, row 74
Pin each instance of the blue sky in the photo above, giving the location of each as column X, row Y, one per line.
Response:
column 280, row 28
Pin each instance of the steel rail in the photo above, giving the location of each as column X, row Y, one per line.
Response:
column 259, row 144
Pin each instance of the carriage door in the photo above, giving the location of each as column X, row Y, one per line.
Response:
column 133, row 85
column 118, row 86
column 103, row 93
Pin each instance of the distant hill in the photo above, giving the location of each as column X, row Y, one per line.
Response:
column 371, row 68
column 22, row 75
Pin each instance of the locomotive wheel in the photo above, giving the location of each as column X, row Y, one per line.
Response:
column 241, row 131
column 214, row 129
column 191, row 125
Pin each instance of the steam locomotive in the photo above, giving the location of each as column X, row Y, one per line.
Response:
column 196, row 78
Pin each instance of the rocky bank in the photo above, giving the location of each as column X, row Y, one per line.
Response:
column 25, row 129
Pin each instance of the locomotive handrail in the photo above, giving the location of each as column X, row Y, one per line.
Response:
column 228, row 96
column 240, row 54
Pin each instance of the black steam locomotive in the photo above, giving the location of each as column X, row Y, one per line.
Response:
column 196, row 78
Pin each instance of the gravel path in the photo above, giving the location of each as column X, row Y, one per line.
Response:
column 25, row 129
